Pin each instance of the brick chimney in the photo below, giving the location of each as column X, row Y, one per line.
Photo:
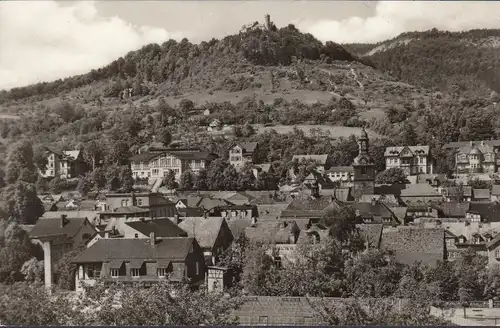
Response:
column 176, row 218
column 63, row 220
column 152, row 238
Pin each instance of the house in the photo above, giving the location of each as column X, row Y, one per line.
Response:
column 243, row 153
column 212, row 234
column 235, row 212
column 411, row 159
column 375, row 212
column 414, row 244
column 320, row 160
column 138, row 260
column 476, row 158
column 281, row 235
column 156, row 165
column 340, row 173
column 162, row 228
column 58, row 236
column 236, row 198
column 457, row 193
column 483, row 212
column 92, row 216
column 64, row 165
column 452, row 209
column 420, row 192
column 314, row 206
column 481, row 195
column 138, row 203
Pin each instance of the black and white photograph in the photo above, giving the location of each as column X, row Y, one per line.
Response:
column 249, row 163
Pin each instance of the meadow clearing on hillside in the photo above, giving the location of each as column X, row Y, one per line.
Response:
column 335, row 131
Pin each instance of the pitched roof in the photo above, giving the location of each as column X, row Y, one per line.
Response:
column 190, row 212
column 128, row 210
column 395, row 151
column 411, row 244
column 173, row 249
column 481, row 193
column 415, row 190
column 454, row 210
column 142, row 157
column 48, row 227
column 205, row 230
column 458, row 144
column 454, row 190
column 161, row 228
column 238, row 227
column 266, row 167
column 271, row 232
column 248, row 147
column 91, row 215
column 72, row 154
column 340, row 169
column 377, row 211
column 490, row 212
column 311, row 206
column 320, row 159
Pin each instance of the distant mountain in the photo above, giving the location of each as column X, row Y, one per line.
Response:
column 469, row 61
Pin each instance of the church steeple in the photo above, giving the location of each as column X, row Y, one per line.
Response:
column 364, row 172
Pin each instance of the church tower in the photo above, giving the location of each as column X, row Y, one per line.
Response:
column 364, row 171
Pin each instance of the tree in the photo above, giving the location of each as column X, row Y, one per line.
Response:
column 33, row 270
column 21, row 202
column 408, row 135
column 170, row 181
column 92, row 153
column 391, row 176
column 20, row 164
column 187, row 181
column 479, row 184
column 201, row 180
column 166, row 137
column 65, row 269
column 126, row 179
column 230, row 179
column 246, row 179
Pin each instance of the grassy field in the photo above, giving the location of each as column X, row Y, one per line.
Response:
column 334, row 131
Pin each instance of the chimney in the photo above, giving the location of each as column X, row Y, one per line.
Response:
column 106, row 235
column 471, row 143
column 152, row 238
column 63, row 220
column 374, row 201
column 176, row 219
column 254, row 221
column 482, row 142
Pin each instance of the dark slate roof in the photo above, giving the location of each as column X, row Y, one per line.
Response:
column 376, row 210
column 205, row 230
column 128, row 210
column 143, row 157
column 271, row 232
column 411, row 244
column 173, row 249
column 190, row 212
column 48, row 227
column 371, row 233
column 161, row 228
column 197, row 155
column 248, row 147
column 238, row 227
column 340, row 169
column 415, row 190
column 454, row 210
column 490, row 212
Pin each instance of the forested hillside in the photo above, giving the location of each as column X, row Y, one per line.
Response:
column 456, row 61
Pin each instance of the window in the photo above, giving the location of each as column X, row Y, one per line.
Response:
column 136, row 235
column 51, row 172
column 263, row 320
column 115, row 273
column 161, row 272
column 155, row 171
column 135, row 273
column 497, row 253
column 421, row 169
column 363, row 170
column 139, row 202
column 277, row 261
column 421, row 160
column 197, row 268
column 124, row 202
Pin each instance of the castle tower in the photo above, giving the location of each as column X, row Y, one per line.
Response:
column 364, row 171
column 268, row 22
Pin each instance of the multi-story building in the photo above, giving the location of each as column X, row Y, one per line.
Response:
column 65, row 165
column 242, row 153
column 411, row 159
column 155, row 165
column 147, row 204
column 480, row 157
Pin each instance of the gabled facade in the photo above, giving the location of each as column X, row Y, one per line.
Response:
column 475, row 157
column 64, row 165
column 158, row 164
column 242, row 153
column 411, row 159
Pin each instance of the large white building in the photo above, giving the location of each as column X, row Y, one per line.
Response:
column 411, row 159
column 157, row 165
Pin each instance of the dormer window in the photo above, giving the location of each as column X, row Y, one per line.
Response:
column 367, row 219
column 462, row 240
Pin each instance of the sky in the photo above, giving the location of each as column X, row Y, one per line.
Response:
column 45, row 40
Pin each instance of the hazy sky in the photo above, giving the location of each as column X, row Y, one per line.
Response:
column 47, row 40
